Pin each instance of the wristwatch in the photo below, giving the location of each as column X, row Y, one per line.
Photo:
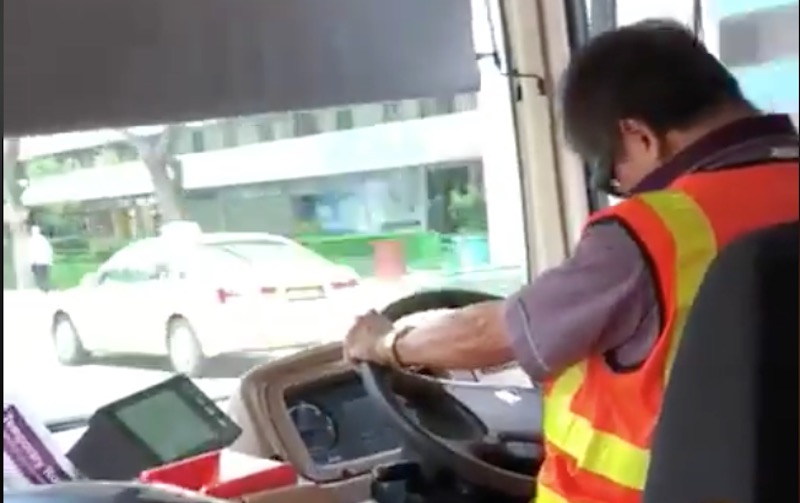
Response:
column 388, row 346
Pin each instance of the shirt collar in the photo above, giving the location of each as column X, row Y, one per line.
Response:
column 732, row 134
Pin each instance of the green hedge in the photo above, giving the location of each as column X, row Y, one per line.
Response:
column 66, row 274
column 422, row 249
column 76, row 256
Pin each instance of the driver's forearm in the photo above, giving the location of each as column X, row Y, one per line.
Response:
column 470, row 338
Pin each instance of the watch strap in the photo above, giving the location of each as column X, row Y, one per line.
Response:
column 389, row 343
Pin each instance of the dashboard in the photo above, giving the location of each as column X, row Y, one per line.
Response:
column 337, row 422
column 311, row 410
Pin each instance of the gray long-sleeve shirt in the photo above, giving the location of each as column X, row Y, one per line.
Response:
column 600, row 299
column 603, row 298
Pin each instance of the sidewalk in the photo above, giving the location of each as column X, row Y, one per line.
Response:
column 25, row 302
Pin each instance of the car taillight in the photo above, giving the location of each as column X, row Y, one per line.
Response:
column 269, row 290
column 223, row 294
column 350, row 283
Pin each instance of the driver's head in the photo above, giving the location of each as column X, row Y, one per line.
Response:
column 635, row 96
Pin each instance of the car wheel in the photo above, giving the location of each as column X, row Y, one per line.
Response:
column 66, row 341
column 185, row 353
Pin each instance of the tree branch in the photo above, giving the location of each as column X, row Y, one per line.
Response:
column 138, row 141
column 11, row 153
column 157, row 154
column 168, row 139
column 13, row 209
column 158, row 151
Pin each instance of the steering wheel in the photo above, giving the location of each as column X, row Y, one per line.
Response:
column 476, row 430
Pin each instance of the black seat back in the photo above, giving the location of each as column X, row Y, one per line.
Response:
column 733, row 395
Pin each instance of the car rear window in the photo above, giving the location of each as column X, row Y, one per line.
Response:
column 265, row 252
column 207, row 262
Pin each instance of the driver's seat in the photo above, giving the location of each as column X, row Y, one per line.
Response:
column 728, row 431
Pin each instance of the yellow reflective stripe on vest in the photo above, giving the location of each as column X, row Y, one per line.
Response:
column 603, row 453
column 593, row 450
column 695, row 249
column 545, row 495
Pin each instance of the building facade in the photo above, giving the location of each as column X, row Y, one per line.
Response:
column 358, row 169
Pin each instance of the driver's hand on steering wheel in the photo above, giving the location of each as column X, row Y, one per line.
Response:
column 369, row 340
column 365, row 342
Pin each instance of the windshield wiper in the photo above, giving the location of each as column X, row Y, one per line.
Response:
column 68, row 423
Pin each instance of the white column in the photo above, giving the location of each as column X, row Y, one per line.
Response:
column 500, row 164
column 501, row 176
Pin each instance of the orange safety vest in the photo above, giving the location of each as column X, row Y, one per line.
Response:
column 598, row 423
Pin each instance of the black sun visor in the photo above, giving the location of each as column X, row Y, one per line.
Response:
column 80, row 64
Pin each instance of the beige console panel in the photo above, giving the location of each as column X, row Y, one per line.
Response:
column 354, row 491
column 268, row 432
column 254, row 413
column 299, row 494
column 259, row 408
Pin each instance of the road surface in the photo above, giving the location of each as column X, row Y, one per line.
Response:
column 57, row 391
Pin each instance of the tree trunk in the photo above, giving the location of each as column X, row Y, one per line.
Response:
column 165, row 171
column 15, row 215
column 168, row 195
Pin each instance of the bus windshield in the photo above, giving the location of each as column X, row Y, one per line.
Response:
column 338, row 210
column 342, row 209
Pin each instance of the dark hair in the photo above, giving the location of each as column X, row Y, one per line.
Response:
column 655, row 71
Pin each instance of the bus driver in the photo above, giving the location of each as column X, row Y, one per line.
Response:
column 667, row 127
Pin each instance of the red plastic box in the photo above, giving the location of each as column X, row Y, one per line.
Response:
column 201, row 473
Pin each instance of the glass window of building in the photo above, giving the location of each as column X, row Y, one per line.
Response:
column 344, row 118
column 392, row 112
column 264, row 128
column 230, row 133
column 198, row 141
column 305, row 123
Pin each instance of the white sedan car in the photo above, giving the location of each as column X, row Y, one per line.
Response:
column 195, row 298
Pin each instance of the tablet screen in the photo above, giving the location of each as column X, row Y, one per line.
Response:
column 167, row 424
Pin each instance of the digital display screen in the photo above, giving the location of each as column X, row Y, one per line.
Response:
column 170, row 439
